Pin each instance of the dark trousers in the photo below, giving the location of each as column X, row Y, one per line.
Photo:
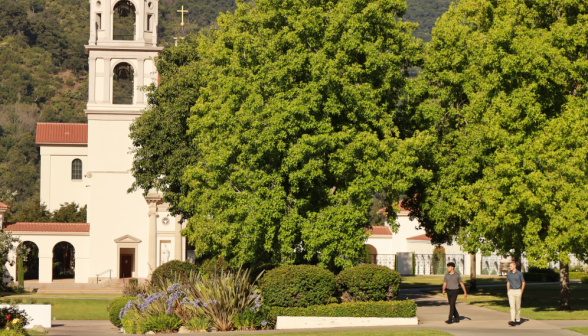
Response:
column 452, row 297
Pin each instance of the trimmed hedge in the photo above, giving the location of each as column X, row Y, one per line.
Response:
column 584, row 279
column 406, row 308
column 297, row 286
column 114, row 307
column 173, row 267
column 368, row 283
column 576, row 275
column 541, row 277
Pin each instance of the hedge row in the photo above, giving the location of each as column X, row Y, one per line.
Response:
column 541, row 277
column 576, row 275
column 406, row 308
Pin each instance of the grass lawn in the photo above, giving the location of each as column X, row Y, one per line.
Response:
column 581, row 330
column 79, row 309
column 62, row 296
column 540, row 302
column 397, row 332
column 422, row 281
column 32, row 332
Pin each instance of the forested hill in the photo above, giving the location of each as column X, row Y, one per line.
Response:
column 43, row 72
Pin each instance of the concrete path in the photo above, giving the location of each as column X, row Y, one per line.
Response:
column 432, row 312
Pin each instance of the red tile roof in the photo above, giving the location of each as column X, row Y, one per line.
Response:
column 419, row 237
column 60, row 133
column 4, row 206
column 47, row 227
column 380, row 230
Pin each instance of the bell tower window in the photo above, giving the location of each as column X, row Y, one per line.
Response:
column 123, row 25
column 122, row 84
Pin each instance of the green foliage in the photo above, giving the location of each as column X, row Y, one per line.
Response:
column 213, row 265
column 130, row 322
column 297, row 286
column 134, row 288
column 252, row 319
column 541, row 277
column 163, row 322
column 199, row 323
column 114, row 307
column 406, row 308
column 584, row 279
column 21, row 272
column 271, row 134
column 439, row 266
column 576, row 275
column 504, row 125
column 368, row 283
column 173, row 268
column 485, row 271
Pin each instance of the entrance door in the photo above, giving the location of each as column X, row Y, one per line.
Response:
column 126, row 266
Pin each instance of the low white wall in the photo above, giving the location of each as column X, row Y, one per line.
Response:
column 311, row 322
column 39, row 314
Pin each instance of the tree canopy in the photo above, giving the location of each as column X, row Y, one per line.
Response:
column 502, row 104
column 285, row 117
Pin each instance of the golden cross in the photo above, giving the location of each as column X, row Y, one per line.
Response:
column 182, row 11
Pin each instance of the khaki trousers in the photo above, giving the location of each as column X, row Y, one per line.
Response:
column 514, row 298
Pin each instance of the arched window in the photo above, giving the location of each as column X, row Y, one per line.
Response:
column 123, row 25
column 76, row 169
column 122, row 84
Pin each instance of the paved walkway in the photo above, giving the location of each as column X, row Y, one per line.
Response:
column 432, row 312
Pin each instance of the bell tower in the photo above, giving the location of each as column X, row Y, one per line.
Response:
column 121, row 49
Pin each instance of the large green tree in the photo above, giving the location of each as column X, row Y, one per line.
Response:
column 272, row 133
column 501, row 104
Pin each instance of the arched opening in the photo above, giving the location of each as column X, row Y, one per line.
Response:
column 123, row 24
column 373, row 252
column 76, row 169
column 31, row 264
column 122, row 84
column 64, row 261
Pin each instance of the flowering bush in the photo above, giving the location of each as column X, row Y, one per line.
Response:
column 12, row 319
column 197, row 301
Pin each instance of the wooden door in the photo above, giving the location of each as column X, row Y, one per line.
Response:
column 126, row 266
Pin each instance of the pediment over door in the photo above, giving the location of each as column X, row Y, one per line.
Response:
column 127, row 239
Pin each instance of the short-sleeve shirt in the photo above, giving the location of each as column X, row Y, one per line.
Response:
column 452, row 281
column 516, row 280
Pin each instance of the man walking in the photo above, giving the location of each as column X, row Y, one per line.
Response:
column 451, row 284
column 515, row 285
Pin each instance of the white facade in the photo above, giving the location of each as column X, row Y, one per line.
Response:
column 125, row 228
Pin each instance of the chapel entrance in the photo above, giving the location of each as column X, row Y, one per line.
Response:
column 126, row 263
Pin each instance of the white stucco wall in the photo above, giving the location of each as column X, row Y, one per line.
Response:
column 57, row 186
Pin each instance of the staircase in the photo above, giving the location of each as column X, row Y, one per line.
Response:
column 68, row 286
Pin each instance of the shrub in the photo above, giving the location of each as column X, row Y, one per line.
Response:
column 368, row 283
column 576, row 275
column 297, row 286
column 133, row 288
column 536, row 274
column 584, row 279
column 485, row 271
column 252, row 319
column 172, row 268
column 114, row 307
column 9, row 314
column 198, row 323
column 130, row 322
column 439, row 260
column 406, row 308
column 163, row 322
column 214, row 265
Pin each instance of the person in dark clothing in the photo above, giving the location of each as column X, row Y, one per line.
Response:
column 451, row 284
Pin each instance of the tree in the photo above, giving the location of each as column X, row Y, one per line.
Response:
column 501, row 103
column 287, row 129
column 10, row 248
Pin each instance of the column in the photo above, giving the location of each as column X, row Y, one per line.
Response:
column 140, row 81
column 152, row 237
column 92, row 81
column 45, row 269
column 178, row 240
column 107, row 80
column 140, row 22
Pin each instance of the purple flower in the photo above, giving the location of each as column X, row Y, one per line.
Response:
column 264, row 323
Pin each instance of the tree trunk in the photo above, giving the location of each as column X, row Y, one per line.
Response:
column 473, row 285
column 564, row 280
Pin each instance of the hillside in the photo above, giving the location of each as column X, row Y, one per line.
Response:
column 43, row 72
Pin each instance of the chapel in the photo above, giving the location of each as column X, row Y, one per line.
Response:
column 127, row 234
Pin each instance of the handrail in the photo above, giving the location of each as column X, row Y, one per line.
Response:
column 99, row 274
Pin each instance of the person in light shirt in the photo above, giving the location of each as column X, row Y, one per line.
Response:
column 515, row 285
